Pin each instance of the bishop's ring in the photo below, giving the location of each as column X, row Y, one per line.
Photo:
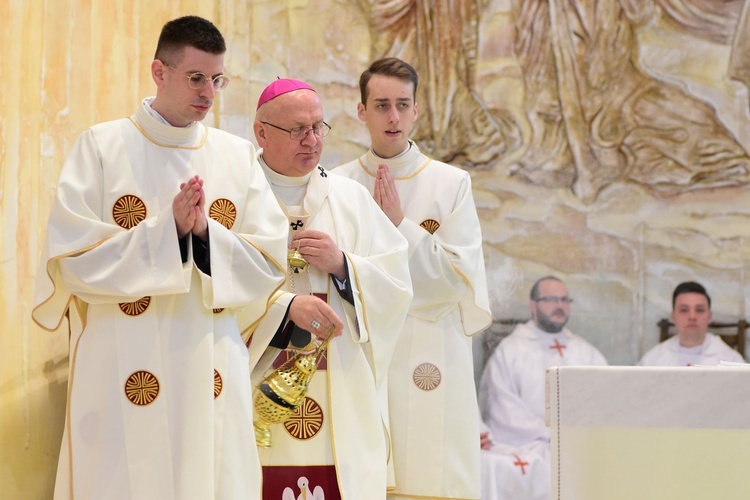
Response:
column 315, row 324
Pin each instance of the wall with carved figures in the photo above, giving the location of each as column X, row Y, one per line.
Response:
column 607, row 140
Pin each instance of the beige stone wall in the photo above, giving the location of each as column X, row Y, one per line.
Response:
column 623, row 252
column 620, row 223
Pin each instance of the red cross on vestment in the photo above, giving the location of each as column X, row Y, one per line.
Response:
column 521, row 464
column 559, row 347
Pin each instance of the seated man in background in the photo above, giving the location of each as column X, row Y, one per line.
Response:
column 512, row 394
column 693, row 345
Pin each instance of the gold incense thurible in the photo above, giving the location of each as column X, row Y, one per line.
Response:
column 281, row 392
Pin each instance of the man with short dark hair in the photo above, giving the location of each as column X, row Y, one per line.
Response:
column 161, row 231
column 512, row 388
column 693, row 344
column 435, row 452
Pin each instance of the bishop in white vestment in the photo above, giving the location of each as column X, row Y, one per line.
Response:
column 338, row 439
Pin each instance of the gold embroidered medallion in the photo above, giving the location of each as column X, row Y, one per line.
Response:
column 224, row 212
column 128, row 211
column 135, row 308
column 426, row 376
column 218, row 384
column 431, row 225
column 141, row 388
column 306, row 421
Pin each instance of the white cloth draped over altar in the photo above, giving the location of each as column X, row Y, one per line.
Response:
column 649, row 433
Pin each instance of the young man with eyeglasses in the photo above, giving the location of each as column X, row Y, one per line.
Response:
column 155, row 221
column 693, row 344
column 432, row 395
column 512, row 392
column 349, row 269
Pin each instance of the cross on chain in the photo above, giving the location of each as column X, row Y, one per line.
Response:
column 559, row 347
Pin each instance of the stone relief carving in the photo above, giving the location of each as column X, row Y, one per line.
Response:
column 739, row 61
column 594, row 115
column 708, row 19
column 440, row 40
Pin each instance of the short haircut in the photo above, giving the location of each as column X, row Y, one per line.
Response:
column 535, row 289
column 188, row 31
column 690, row 287
column 388, row 66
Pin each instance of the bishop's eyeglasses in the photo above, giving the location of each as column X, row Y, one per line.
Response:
column 197, row 79
column 298, row 133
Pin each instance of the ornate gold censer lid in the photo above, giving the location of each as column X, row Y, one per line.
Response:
column 283, row 390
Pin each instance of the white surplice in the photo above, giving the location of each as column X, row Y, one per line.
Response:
column 670, row 353
column 513, row 473
column 512, row 388
column 433, row 408
column 512, row 402
column 349, row 393
column 159, row 392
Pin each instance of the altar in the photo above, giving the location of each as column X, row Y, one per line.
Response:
column 624, row 433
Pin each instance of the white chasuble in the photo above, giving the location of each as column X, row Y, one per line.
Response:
column 338, row 438
column 159, row 393
column 432, row 402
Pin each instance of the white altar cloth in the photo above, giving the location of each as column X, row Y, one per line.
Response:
column 649, row 433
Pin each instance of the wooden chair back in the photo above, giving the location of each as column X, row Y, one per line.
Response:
column 499, row 329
